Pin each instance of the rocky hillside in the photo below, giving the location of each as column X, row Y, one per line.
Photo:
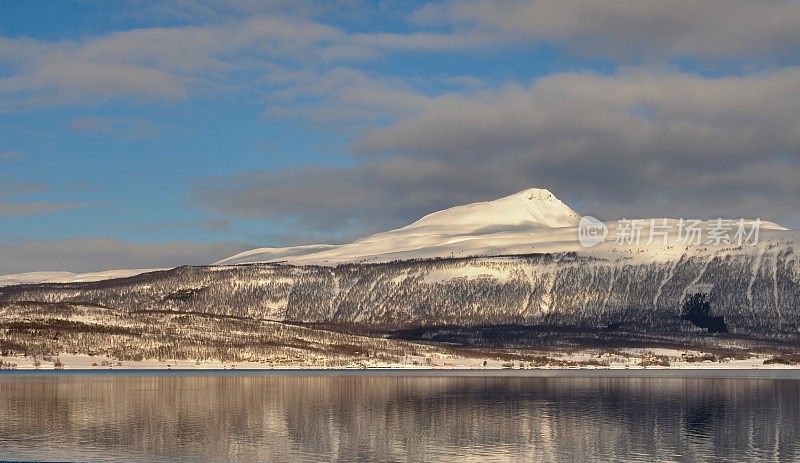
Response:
column 747, row 292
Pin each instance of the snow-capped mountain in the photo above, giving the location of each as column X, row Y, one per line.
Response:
column 515, row 260
column 469, row 228
column 531, row 221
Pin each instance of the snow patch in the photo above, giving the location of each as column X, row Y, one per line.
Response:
column 470, row 273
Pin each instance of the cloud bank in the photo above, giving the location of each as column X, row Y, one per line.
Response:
column 638, row 142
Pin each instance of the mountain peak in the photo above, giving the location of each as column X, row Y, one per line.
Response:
column 530, row 208
column 541, row 192
column 537, row 194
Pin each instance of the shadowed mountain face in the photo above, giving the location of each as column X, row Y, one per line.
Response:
column 749, row 294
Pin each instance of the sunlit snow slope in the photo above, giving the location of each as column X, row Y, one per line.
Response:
column 67, row 277
column 531, row 221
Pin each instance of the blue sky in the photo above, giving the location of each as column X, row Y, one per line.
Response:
column 150, row 134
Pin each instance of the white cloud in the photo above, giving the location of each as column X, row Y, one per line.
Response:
column 229, row 43
column 152, row 63
column 640, row 29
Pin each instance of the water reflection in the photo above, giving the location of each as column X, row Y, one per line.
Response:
column 393, row 418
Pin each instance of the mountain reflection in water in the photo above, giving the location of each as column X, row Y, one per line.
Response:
column 213, row 418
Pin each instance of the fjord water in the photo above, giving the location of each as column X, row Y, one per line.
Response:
column 219, row 417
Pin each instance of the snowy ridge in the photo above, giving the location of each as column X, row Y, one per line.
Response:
column 531, row 221
column 436, row 234
column 271, row 254
column 67, row 277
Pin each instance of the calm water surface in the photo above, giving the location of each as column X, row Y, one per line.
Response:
column 301, row 417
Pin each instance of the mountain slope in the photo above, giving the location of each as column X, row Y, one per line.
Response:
column 513, row 262
column 67, row 277
column 755, row 289
column 531, row 208
column 533, row 220
column 528, row 210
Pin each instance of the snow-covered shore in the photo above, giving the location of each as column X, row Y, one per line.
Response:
column 632, row 359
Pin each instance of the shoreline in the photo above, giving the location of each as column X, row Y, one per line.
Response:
column 624, row 360
column 791, row 373
column 453, row 366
